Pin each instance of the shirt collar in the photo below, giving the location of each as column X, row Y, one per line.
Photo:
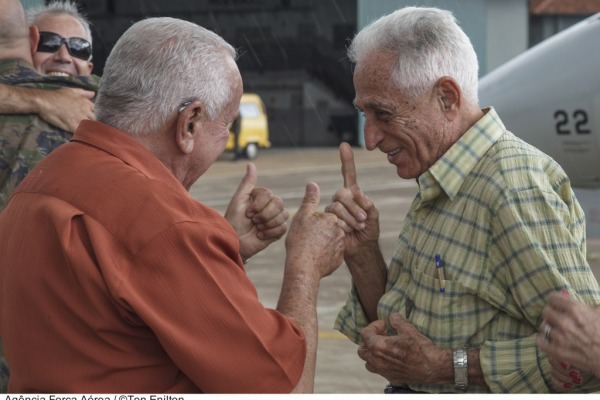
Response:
column 450, row 171
column 124, row 147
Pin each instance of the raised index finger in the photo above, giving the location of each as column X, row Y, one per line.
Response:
column 348, row 167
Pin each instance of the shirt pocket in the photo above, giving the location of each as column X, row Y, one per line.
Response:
column 450, row 317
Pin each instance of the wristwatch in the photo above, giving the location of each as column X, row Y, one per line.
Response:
column 461, row 375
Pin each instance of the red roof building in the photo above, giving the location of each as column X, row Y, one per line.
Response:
column 564, row 7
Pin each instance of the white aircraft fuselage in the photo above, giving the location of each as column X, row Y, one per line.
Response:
column 550, row 97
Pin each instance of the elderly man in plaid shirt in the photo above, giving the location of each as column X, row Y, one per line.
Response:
column 494, row 228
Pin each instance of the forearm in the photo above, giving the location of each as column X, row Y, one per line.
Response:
column 19, row 100
column 369, row 275
column 298, row 300
column 63, row 108
column 442, row 368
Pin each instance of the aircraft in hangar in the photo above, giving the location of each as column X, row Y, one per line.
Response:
column 550, row 97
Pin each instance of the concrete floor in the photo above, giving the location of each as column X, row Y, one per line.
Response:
column 286, row 172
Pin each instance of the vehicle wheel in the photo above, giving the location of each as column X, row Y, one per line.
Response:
column 251, row 151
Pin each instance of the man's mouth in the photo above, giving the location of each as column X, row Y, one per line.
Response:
column 54, row 73
column 393, row 153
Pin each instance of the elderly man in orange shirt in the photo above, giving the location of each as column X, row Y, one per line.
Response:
column 114, row 279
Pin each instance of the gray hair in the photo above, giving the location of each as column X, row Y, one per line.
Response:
column 57, row 7
column 428, row 43
column 156, row 65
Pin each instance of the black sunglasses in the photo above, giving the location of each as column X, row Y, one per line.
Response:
column 78, row 47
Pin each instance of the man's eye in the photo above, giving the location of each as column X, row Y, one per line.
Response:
column 383, row 115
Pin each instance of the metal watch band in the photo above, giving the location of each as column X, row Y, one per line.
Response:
column 461, row 376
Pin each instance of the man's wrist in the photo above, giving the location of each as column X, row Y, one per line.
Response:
column 461, row 374
column 364, row 256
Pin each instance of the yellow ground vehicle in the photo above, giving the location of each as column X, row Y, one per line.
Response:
column 254, row 128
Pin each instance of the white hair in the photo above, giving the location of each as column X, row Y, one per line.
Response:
column 428, row 43
column 65, row 7
column 156, row 65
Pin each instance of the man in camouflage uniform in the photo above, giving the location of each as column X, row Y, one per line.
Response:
column 25, row 138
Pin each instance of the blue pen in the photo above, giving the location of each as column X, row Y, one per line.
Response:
column 440, row 270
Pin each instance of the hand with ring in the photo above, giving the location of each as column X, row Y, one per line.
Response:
column 570, row 335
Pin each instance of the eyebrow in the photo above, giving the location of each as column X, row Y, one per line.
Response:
column 371, row 105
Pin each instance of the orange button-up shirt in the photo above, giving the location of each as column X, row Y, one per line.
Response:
column 113, row 279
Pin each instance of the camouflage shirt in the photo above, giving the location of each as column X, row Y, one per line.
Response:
column 25, row 139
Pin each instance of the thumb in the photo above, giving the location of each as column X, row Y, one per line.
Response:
column 379, row 326
column 396, row 320
column 312, row 196
column 248, row 183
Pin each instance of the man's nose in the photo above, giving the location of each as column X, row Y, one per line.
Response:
column 63, row 53
column 372, row 135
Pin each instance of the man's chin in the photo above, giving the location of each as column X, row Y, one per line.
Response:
column 407, row 173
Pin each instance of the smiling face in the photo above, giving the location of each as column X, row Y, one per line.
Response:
column 412, row 132
column 61, row 63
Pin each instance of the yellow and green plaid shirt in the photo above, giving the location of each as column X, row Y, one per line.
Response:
column 504, row 219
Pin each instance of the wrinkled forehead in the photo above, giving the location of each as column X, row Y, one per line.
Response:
column 65, row 25
column 376, row 65
column 376, row 69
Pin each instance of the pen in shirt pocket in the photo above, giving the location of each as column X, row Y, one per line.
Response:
column 440, row 270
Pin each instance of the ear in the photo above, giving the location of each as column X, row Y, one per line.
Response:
column 34, row 38
column 188, row 126
column 449, row 96
column 90, row 66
